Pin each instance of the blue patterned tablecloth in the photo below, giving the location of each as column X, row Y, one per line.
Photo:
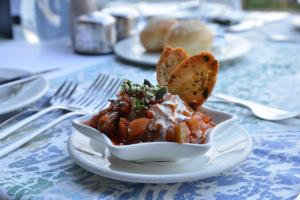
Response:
column 269, row 74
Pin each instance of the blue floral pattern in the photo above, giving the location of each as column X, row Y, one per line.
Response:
column 269, row 74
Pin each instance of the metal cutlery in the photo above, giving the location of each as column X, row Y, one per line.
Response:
column 62, row 95
column 33, row 110
column 17, row 115
column 282, row 38
column 259, row 110
column 86, row 103
column 23, row 78
column 245, row 25
column 277, row 37
column 60, row 101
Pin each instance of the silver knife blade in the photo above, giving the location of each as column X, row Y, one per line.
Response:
column 24, row 78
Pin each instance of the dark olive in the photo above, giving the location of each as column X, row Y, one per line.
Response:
column 146, row 82
column 161, row 92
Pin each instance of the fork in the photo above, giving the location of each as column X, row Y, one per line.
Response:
column 277, row 37
column 62, row 90
column 60, row 101
column 87, row 103
column 259, row 110
column 63, row 93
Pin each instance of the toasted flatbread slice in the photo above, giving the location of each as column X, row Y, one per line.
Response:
column 169, row 59
column 194, row 79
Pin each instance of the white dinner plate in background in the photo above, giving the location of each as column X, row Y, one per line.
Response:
column 16, row 97
column 296, row 22
column 232, row 47
column 95, row 157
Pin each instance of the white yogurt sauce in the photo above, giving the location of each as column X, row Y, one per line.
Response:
column 168, row 112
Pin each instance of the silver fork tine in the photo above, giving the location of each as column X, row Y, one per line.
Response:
column 91, row 98
column 58, row 91
column 89, row 102
column 109, row 85
column 115, row 87
column 65, row 91
column 99, row 80
column 106, row 86
column 69, row 92
column 112, row 92
column 100, row 85
column 95, row 81
column 95, row 89
column 60, row 88
column 72, row 91
column 110, row 89
column 94, row 101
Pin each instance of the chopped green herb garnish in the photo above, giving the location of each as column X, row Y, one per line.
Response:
column 142, row 95
column 139, row 105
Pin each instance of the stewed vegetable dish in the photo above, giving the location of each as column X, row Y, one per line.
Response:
column 148, row 113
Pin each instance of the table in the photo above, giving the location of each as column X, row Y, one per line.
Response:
column 269, row 74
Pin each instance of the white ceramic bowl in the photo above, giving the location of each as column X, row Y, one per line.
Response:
column 159, row 151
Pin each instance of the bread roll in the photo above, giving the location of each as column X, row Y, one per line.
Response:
column 191, row 35
column 152, row 37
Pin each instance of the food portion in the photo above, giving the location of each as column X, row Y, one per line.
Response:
column 153, row 35
column 147, row 113
column 194, row 79
column 169, row 111
column 192, row 35
column 169, row 59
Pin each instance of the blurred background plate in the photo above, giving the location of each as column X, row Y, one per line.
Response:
column 13, row 98
column 228, row 48
column 296, row 22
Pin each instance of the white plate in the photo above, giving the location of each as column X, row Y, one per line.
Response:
column 13, row 98
column 296, row 22
column 130, row 49
column 94, row 157
column 169, row 151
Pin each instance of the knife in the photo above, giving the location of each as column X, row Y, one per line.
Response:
column 24, row 78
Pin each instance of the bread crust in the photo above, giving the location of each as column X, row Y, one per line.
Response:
column 169, row 59
column 194, row 79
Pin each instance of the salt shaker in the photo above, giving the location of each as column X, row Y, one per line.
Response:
column 78, row 8
column 126, row 20
column 94, row 33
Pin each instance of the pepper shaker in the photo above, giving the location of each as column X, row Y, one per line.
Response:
column 94, row 33
column 126, row 20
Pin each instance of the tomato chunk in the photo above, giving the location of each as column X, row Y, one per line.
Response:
column 137, row 129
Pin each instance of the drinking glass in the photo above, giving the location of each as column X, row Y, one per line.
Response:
column 44, row 19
